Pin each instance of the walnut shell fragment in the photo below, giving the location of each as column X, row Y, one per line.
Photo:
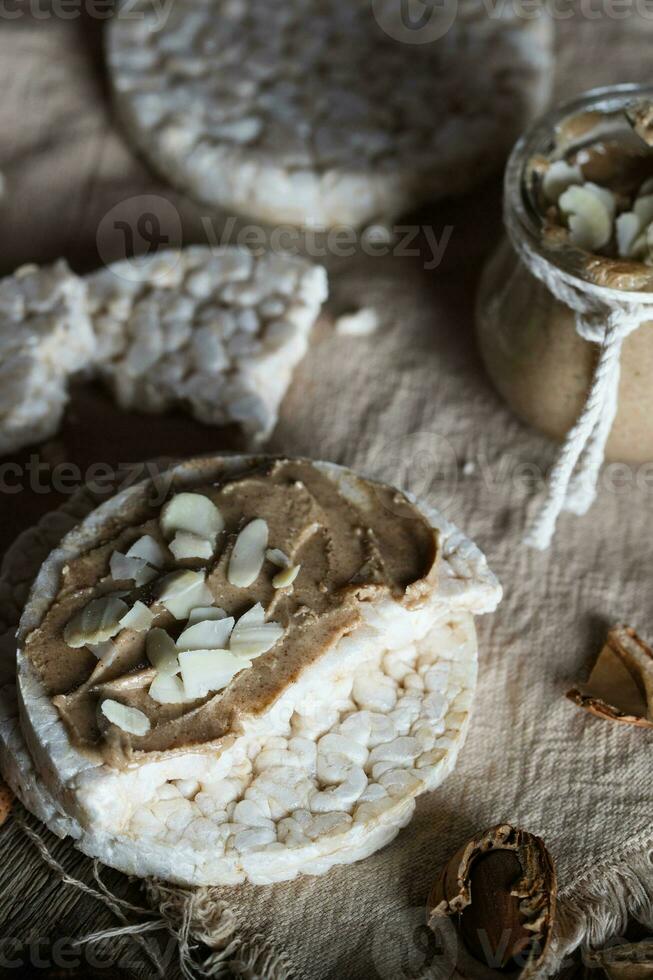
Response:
column 628, row 961
column 640, row 117
column 6, row 801
column 620, row 687
column 500, row 889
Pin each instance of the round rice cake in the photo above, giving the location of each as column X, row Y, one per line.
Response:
column 319, row 112
column 356, row 668
column 218, row 331
column 45, row 337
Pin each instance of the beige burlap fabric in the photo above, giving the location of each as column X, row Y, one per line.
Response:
column 410, row 405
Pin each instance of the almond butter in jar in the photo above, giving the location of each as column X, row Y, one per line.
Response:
column 578, row 203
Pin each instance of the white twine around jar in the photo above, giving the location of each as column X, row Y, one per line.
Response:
column 604, row 316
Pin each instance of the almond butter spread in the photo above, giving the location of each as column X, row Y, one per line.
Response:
column 352, row 540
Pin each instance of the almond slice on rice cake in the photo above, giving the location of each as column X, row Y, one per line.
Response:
column 271, row 710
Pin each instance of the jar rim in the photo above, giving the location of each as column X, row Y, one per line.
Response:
column 608, row 99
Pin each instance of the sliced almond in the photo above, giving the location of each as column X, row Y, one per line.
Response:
column 103, row 651
column 188, row 545
column 184, row 590
column 162, row 651
column 604, row 195
column 212, row 634
column 130, row 720
column 123, row 567
column 286, row 577
column 98, row 621
column 204, row 671
column 149, row 549
column 277, row 557
column 191, row 512
column 252, row 636
column 167, row 689
column 201, row 613
column 248, row 554
column 138, row 618
column 627, row 227
column 643, row 208
column 558, row 178
column 588, row 217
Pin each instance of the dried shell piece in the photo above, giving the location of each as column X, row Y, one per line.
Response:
column 129, row 719
column 98, row 621
column 629, row 961
column 620, row 687
column 501, row 887
column 6, row 801
column 248, row 554
column 640, row 117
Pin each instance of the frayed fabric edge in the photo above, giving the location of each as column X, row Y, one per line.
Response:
column 195, row 917
column 594, row 910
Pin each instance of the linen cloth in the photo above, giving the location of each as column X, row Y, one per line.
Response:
column 411, row 405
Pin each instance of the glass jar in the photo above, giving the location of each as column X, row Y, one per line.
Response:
column 533, row 354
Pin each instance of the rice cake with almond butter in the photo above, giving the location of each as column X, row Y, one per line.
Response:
column 268, row 711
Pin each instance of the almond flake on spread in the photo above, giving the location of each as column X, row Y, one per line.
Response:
column 286, row 577
column 188, row 545
column 211, row 634
column 103, row 651
column 200, row 614
column 138, row 618
column 182, row 591
column 98, row 621
column 252, row 636
column 192, row 512
column 620, row 686
column 248, row 554
column 167, row 689
column 149, row 550
column 124, row 567
column 162, row 652
column 130, row 720
column 203, row 671
column 277, row 557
